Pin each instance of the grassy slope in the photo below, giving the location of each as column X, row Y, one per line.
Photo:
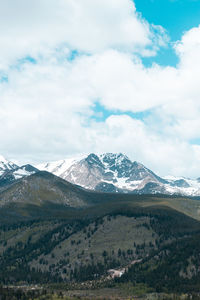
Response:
column 53, row 238
column 66, row 239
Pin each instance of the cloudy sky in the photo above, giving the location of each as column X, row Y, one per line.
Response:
column 80, row 76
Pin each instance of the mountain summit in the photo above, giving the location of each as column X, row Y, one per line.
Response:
column 111, row 172
column 6, row 165
column 10, row 172
column 108, row 172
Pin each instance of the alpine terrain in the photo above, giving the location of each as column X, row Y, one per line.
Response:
column 10, row 172
column 117, row 173
column 59, row 235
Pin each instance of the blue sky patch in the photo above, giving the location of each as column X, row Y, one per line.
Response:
column 101, row 113
column 176, row 16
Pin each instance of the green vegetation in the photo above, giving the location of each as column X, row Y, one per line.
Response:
column 152, row 240
column 174, row 267
column 88, row 242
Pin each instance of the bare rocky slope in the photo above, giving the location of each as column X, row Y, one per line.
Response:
column 117, row 173
column 108, row 173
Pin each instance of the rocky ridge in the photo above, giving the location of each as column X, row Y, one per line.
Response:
column 112, row 172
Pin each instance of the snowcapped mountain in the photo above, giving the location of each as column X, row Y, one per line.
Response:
column 98, row 172
column 6, row 165
column 182, row 185
column 59, row 167
column 10, row 172
column 107, row 172
column 117, row 173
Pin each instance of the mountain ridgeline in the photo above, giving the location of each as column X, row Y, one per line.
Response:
column 108, row 173
column 117, row 173
column 142, row 237
column 10, row 172
column 53, row 231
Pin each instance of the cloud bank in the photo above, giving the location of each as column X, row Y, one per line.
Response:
column 60, row 58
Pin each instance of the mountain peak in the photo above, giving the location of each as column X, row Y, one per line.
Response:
column 109, row 155
column 10, row 172
column 114, row 158
column 110, row 172
column 113, row 170
column 3, row 159
column 6, row 165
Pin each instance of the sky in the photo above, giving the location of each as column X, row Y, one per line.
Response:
column 101, row 76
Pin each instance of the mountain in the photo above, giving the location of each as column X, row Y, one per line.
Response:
column 54, row 232
column 117, row 173
column 6, row 165
column 43, row 193
column 10, row 172
column 42, row 188
column 58, row 232
column 107, row 171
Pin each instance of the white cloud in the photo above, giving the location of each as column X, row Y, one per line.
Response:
column 188, row 48
column 32, row 28
column 159, row 153
column 47, row 107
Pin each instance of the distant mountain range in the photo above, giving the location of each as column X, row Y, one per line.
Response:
column 108, row 173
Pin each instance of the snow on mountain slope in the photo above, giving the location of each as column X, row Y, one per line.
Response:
column 10, row 172
column 112, row 172
column 59, row 167
column 23, row 171
column 182, row 185
column 6, row 165
column 105, row 172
